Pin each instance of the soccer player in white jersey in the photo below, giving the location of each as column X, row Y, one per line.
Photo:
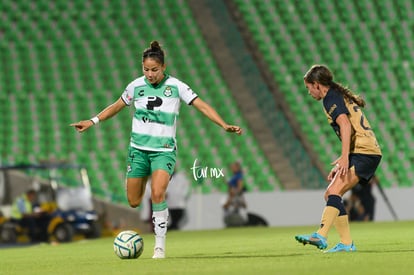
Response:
column 152, row 152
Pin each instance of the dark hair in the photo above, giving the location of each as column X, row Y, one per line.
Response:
column 30, row 192
column 154, row 52
column 322, row 75
column 238, row 166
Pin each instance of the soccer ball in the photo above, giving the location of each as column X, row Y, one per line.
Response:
column 128, row 245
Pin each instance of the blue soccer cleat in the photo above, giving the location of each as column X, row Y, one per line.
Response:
column 340, row 247
column 314, row 239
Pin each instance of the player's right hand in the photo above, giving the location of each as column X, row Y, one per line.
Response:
column 333, row 172
column 82, row 126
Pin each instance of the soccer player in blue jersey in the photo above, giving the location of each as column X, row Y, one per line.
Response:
column 156, row 97
column 359, row 159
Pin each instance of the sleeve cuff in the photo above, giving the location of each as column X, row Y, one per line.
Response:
column 191, row 102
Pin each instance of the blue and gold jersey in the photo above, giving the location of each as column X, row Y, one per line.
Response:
column 363, row 140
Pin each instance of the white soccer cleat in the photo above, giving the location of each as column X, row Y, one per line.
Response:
column 159, row 253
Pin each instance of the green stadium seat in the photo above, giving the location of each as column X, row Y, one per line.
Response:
column 82, row 56
column 371, row 39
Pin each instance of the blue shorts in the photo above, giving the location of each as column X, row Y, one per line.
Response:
column 364, row 165
column 142, row 163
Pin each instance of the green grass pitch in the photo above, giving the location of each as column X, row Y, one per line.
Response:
column 383, row 248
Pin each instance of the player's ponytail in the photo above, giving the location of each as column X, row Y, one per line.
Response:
column 322, row 75
column 348, row 94
column 154, row 51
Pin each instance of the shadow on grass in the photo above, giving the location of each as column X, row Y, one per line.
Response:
column 387, row 251
column 239, row 256
column 17, row 245
column 253, row 256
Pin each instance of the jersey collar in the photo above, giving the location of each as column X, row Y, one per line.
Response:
column 166, row 76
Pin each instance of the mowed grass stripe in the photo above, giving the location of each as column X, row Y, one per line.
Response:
column 383, row 248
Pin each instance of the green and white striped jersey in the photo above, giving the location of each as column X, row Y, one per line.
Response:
column 157, row 108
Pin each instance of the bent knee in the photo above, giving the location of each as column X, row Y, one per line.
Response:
column 326, row 195
column 157, row 197
column 329, row 193
column 133, row 202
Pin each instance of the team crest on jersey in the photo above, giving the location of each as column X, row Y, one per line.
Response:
column 168, row 91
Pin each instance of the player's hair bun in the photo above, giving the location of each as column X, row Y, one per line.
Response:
column 155, row 46
column 154, row 51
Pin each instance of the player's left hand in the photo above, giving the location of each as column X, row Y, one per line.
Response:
column 233, row 129
column 341, row 166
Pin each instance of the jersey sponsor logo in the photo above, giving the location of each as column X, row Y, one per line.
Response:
column 148, row 120
column 332, row 109
column 167, row 91
column 153, row 101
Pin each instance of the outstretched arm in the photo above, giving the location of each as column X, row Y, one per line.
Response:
column 209, row 112
column 107, row 113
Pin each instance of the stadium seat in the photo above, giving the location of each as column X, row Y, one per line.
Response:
column 76, row 57
column 366, row 43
